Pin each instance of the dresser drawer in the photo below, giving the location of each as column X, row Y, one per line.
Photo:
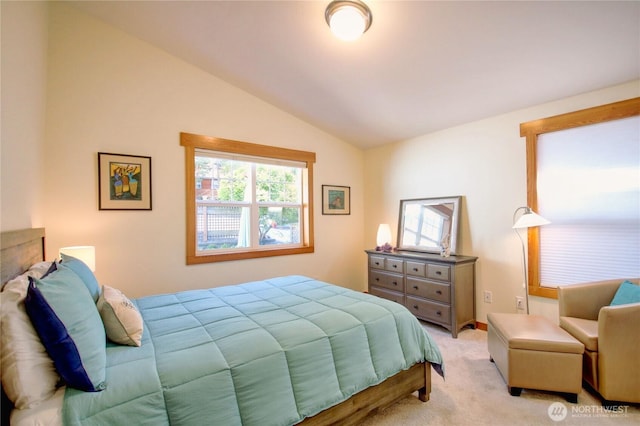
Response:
column 434, row 288
column 417, row 269
column 382, row 279
column 430, row 290
column 438, row 272
column 394, row 265
column 432, row 311
column 376, row 262
column 387, row 294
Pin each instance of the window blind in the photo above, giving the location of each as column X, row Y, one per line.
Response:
column 589, row 188
column 250, row 158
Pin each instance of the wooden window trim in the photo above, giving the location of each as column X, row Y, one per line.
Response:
column 531, row 130
column 191, row 142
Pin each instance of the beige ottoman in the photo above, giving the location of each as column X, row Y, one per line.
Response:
column 532, row 352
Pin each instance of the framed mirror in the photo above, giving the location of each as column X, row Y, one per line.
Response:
column 429, row 225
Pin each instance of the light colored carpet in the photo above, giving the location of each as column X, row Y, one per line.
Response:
column 474, row 393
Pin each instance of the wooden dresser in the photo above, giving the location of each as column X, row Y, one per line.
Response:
column 437, row 289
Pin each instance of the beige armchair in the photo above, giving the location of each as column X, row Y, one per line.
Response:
column 610, row 334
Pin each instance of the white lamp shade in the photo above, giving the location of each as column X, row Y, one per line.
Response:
column 530, row 219
column 384, row 234
column 87, row 254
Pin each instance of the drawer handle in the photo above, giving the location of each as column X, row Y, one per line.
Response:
column 377, row 279
column 438, row 272
column 395, row 266
column 439, row 313
column 415, row 269
column 438, row 291
column 415, row 307
column 395, row 283
column 415, row 287
column 377, row 263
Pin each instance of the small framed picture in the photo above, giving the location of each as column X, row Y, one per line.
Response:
column 124, row 182
column 336, row 199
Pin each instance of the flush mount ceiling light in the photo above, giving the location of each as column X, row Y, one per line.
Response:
column 348, row 19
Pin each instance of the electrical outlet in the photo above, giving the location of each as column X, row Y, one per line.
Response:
column 520, row 303
column 488, row 297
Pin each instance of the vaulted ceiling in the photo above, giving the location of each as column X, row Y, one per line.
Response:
column 421, row 67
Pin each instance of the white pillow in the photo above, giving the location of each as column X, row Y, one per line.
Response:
column 121, row 319
column 28, row 374
column 37, row 270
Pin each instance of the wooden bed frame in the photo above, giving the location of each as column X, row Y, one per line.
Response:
column 23, row 248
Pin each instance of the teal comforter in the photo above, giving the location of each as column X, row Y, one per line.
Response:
column 271, row 352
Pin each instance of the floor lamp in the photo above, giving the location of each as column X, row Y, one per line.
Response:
column 528, row 219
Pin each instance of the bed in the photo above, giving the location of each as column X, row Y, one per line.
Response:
column 287, row 350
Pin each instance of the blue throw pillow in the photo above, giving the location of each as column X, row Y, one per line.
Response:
column 69, row 326
column 627, row 293
column 83, row 271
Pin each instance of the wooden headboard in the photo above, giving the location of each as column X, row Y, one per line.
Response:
column 20, row 250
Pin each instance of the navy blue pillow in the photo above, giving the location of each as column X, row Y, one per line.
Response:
column 65, row 317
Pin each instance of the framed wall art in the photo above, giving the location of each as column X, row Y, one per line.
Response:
column 336, row 199
column 124, row 182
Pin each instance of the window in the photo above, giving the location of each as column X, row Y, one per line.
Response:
column 246, row 200
column 428, row 223
column 583, row 174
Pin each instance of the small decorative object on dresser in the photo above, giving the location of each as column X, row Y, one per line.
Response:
column 436, row 289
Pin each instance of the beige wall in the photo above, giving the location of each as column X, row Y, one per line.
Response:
column 24, row 76
column 109, row 92
column 483, row 161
